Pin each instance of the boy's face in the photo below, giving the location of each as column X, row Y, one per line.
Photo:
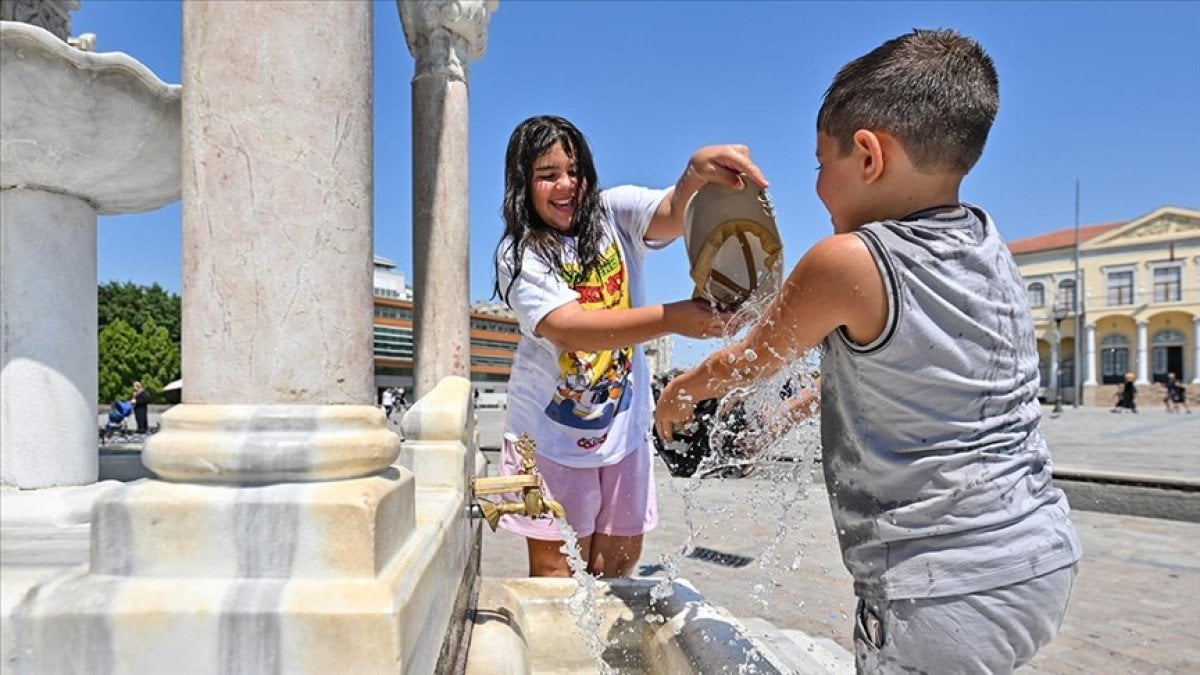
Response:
column 839, row 184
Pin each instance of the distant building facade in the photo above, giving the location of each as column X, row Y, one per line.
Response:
column 494, row 336
column 389, row 283
column 658, row 355
column 1138, row 302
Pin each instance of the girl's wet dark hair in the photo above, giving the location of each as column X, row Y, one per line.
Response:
column 523, row 227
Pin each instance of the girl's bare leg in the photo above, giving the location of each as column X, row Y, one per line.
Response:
column 613, row 556
column 546, row 560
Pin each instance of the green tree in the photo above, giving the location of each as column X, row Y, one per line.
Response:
column 135, row 305
column 160, row 354
column 150, row 354
column 118, row 347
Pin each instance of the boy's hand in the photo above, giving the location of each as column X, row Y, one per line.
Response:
column 696, row 319
column 725, row 164
column 673, row 410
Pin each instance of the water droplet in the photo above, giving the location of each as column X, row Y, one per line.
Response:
column 751, row 355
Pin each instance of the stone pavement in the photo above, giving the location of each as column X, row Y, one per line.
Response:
column 1135, row 607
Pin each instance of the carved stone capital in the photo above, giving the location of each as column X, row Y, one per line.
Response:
column 444, row 35
column 53, row 15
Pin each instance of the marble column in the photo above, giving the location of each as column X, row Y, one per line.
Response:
column 84, row 134
column 1089, row 357
column 49, row 383
column 1195, row 352
column 443, row 36
column 1143, row 358
column 281, row 537
column 277, row 247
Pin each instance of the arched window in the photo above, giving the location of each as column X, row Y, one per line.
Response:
column 1066, row 294
column 1167, row 336
column 1166, row 353
column 1114, row 358
column 1036, row 293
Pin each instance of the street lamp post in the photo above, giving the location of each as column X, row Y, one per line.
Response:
column 1060, row 313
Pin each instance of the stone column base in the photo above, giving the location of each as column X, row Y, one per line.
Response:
column 339, row 577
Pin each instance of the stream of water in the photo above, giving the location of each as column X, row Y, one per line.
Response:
column 768, row 425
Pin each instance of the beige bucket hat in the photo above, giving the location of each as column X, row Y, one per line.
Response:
column 733, row 244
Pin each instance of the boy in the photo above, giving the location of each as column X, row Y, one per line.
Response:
column 961, row 550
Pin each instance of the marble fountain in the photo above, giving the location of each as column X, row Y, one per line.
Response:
column 287, row 529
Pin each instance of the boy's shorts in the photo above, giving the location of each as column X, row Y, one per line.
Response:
column 616, row 500
column 992, row 631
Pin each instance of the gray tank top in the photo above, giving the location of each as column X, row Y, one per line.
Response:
column 937, row 470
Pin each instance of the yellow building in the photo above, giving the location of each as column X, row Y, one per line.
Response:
column 1139, row 304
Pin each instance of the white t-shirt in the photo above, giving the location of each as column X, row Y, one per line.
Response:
column 584, row 409
column 388, row 398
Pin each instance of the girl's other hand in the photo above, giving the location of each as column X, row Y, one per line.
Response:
column 696, row 319
column 725, row 164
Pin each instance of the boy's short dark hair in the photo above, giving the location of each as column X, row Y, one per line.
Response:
column 935, row 91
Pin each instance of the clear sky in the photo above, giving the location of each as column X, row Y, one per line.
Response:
column 1106, row 92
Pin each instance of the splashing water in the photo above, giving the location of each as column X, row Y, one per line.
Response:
column 763, row 423
column 583, row 604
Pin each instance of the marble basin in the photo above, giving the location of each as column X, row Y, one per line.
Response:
column 524, row 626
column 100, row 127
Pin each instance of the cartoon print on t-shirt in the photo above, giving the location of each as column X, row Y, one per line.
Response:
column 593, row 387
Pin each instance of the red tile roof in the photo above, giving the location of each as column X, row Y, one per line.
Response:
column 1060, row 238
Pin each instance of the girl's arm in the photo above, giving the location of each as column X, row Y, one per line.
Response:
column 572, row 328
column 710, row 164
column 836, row 284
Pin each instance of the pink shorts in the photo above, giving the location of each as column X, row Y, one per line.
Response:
column 617, row 500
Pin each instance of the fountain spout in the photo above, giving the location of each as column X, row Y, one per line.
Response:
column 534, row 501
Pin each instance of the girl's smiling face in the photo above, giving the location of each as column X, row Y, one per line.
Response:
column 556, row 188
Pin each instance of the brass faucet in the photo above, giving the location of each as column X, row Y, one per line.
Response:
column 534, row 502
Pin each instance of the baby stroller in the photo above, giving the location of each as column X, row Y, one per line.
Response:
column 116, row 425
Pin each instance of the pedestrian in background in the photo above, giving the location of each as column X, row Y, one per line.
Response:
column 141, row 405
column 1176, row 395
column 387, row 400
column 1126, row 395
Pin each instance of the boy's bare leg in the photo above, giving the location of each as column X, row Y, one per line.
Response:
column 546, row 560
column 613, row 556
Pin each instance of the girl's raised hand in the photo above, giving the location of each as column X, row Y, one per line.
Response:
column 725, row 164
column 696, row 319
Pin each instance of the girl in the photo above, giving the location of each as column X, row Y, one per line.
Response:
column 570, row 267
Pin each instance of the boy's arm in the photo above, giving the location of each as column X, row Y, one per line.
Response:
column 836, row 284
column 572, row 328
column 710, row 164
